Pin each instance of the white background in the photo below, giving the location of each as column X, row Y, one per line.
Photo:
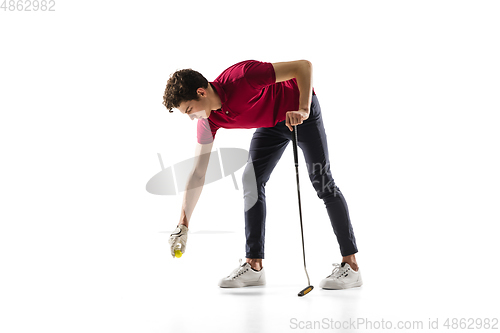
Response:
column 409, row 92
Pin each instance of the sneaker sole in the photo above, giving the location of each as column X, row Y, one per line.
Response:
column 250, row 284
column 349, row 286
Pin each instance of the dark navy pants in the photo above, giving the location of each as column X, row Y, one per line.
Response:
column 266, row 149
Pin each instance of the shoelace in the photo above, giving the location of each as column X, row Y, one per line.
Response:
column 238, row 271
column 337, row 270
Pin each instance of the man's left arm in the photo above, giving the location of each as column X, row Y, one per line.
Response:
column 301, row 70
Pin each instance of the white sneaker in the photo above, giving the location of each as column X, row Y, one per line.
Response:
column 243, row 276
column 342, row 277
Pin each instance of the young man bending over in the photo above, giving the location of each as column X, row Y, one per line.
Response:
column 271, row 97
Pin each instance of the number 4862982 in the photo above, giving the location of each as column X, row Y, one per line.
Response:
column 28, row 5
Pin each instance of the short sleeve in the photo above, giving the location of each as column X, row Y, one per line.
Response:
column 205, row 131
column 259, row 74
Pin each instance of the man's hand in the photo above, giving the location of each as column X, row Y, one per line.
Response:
column 178, row 237
column 296, row 117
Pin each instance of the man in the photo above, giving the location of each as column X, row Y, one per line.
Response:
column 272, row 97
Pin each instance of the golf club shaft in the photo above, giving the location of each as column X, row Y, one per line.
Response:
column 295, row 156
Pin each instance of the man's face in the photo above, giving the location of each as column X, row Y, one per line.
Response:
column 197, row 109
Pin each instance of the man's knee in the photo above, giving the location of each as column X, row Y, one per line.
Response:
column 248, row 179
column 325, row 187
column 250, row 187
column 318, row 168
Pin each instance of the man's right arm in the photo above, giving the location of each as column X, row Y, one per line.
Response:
column 195, row 182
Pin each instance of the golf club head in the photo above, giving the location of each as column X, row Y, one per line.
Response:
column 305, row 291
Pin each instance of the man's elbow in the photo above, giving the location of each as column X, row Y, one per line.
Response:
column 305, row 63
column 304, row 66
column 199, row 174
column 200, row 171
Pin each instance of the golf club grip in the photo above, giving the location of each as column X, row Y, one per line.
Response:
column 294, row 139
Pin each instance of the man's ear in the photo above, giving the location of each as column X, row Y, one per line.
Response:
column 202, row 92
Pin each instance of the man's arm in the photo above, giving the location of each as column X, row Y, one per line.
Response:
column 300, row 70
column 195, row 182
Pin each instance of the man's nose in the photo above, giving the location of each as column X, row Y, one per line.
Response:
column 192, row 116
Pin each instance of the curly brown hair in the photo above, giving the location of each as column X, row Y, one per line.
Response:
column 182, row 86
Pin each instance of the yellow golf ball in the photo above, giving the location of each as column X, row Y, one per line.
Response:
column 178, row 253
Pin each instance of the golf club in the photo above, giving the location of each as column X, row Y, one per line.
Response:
column 306, row 290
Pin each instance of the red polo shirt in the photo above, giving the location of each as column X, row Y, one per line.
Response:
column 250, row 98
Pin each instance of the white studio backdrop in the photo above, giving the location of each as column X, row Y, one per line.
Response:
column 409, row 96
